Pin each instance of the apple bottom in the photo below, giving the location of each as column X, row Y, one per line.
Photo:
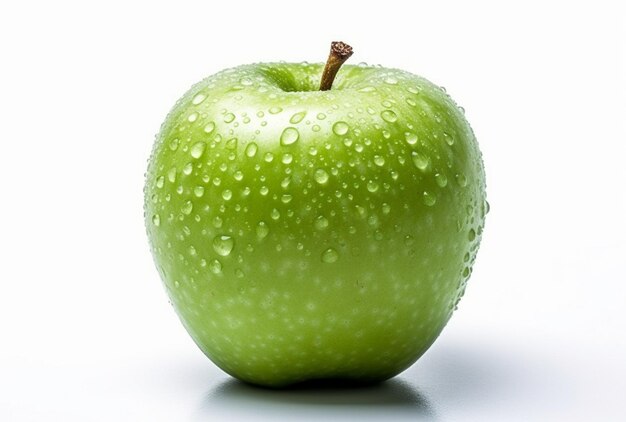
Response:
column 366, row 330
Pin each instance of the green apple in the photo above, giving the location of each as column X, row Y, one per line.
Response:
column 307, row 234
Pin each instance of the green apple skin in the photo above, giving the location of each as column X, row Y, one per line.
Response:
column 305, row 235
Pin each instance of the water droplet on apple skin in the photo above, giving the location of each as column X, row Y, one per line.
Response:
column 429, row 198
column 209, row 128
column 297, row 117
column 198, row 191
column 215, row 266
column 198, row 98
column 330, row 256
column 321, row 222
column 420, row 161
column 389, row 116
column 251, row 150
column 289, row 136
column 321, row 176
column 197, row 149
column 441, row 180
column 372, row 186
column 223, row 245
column 340, row 128
column 262, row 230
column 275, row 110
column 187, row 207
column 471, row 235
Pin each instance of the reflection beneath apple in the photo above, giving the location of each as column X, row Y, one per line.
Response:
column 393, row 398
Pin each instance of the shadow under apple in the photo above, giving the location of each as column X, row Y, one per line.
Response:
column 315, row 400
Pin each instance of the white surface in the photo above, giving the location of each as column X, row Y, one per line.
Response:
column 86, row 331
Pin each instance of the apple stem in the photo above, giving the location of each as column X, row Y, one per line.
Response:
column 339, row 53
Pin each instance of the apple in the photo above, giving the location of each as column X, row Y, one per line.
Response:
column 308, row 231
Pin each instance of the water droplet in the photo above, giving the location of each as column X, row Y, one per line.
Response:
column 420, row 161
column 187, row 169
column 264, row 190
column 275, row 110
column 461, row 179
column 297, row 118
column 315, row 128
column 386, row 208
column 223, row 245
column 251, row 149
column 340, row 128
column 198, row 191
column 160, row 181
column 198, row 99
column 449, row 139
column 321, row 176
column 215, row 266
column 192, row 117
column 287, row 158
column 389, row 116
column 171, row 175
column 156, row 220
column 391, row 80
column 197, row 149
column 471, row 235
column 379, row 161
column 367, row 89
column 289, row 136
column 411, row 138
column 268, row 157
column 174, row 144
column 275, row 214
column 210, row 127
column 192, row 251
column 321, row 116
column 330, row 255
column 372, row 186
column 409, row 240
column 262, row 230
column 229, row 117
column 245, row 81
column 320, row 222
column 429, row 199
column 361, row 211
column 487, row 207
column 187, row 207
column 231, row 144
column 441, row 180
column 227, row 194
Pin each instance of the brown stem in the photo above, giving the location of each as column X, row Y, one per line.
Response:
column 339, row 53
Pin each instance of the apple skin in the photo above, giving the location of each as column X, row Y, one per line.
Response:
column 305, row 235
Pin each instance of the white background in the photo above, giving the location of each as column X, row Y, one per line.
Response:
column 86, row 332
